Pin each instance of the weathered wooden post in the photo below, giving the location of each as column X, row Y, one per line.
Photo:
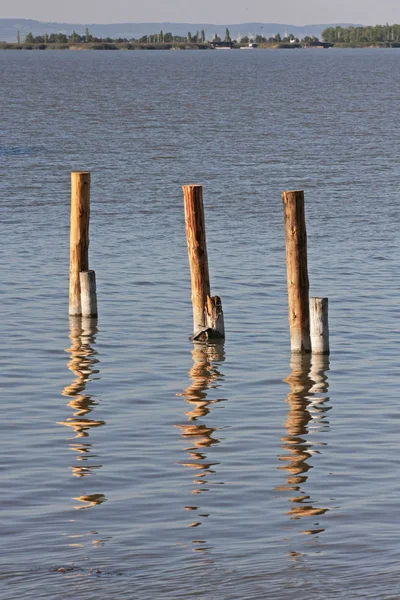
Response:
column 79, row 237
column 88, row 293
column 319, row 328
column 297, row 271
column 208, row 319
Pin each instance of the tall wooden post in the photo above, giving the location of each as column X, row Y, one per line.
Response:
column 79, row 237
column 197, row 251
column 319, row 326
column 297, row 271
column 207, row 311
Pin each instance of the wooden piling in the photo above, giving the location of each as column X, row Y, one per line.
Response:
column 79, row 237
column 297, row 272
column 207, row 311
column 88, row 294
column 319, row 327
column 197, row 251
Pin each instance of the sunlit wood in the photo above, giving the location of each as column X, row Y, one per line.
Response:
column 79, row 237
column 297, row 270
column 208, row 316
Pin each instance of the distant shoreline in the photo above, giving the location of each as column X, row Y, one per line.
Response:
column 126, row 46
column 138, row 46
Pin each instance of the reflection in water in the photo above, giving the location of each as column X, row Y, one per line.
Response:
column 83, row 364
column 80, row 540
column 205, row 375
column 90, row 500
column 307, row 416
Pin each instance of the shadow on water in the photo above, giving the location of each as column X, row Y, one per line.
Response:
column 307, row 416
column 205, row 375
column 83, row 363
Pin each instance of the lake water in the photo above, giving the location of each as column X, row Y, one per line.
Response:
column 134, row 464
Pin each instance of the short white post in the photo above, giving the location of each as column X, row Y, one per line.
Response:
column 88, row 293
column 319, row 328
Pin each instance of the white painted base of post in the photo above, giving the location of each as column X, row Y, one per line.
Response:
column 319, row 328
column 88, row 293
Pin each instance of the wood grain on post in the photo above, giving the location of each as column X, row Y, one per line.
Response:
column 79, row 237
column 319, row 327
column 88, row 293
column 297, row 271
column 197, row 251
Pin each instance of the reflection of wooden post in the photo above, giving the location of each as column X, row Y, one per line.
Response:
column 207, row 311
column 79, row 237
column 319, row 367
column 319, row 327
column 297, row 444
column 297, row 273
column 88, row 294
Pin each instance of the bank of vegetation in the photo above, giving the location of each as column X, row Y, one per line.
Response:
column 386, row 36
column 377, row 36
column 154, row 41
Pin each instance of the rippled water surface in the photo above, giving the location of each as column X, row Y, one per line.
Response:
column 134, row 463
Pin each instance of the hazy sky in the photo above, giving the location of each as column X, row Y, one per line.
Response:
column 296, row 12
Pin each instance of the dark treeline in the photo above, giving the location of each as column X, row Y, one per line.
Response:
column 75, row 38
column 62, row 38
column 154, row 38
column 378, row 34
column 386, row 35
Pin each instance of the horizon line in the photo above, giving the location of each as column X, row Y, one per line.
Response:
column 177, row 22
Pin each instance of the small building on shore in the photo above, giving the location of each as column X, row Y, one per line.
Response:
column 317, row 44
column 223, row 44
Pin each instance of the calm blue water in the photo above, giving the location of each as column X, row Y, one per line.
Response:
column 134, row 464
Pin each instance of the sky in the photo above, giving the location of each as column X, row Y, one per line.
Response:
column 295, row 12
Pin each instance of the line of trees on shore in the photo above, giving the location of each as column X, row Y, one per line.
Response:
column 156, row 38
column 378, row 34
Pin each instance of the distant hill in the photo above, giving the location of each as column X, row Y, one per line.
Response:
column 10, row 27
